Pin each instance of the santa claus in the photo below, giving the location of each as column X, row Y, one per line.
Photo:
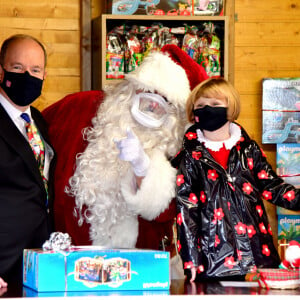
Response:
column 124, row 183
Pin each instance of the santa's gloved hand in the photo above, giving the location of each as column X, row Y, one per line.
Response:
column 132, row 151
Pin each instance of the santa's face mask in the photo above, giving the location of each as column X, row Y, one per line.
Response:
column 150, row 110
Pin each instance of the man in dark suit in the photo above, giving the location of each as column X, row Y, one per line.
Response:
column 26, row 161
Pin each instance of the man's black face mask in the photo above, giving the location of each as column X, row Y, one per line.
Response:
column 21, row 88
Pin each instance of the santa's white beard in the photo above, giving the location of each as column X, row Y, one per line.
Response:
column 101, row 179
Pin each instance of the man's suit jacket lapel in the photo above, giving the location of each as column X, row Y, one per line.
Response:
column 16, row 140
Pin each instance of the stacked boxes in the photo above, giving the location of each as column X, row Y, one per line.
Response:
column 90, row 269
column 281, row 110
column 288, row 168
column 281, row 126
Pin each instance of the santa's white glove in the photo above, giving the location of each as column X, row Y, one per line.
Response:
column 132, row 151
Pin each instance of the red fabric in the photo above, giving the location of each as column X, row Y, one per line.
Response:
column 151, row 233
column 66, row 119
column 220, row 156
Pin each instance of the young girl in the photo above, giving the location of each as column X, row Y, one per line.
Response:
column 223, row 178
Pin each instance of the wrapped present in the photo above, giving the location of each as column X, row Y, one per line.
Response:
column 95, row 269
column 281, row 110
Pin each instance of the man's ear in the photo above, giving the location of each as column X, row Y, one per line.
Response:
column 45, row 74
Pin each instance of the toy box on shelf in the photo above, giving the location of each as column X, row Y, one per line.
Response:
column 281, row 110
column 150, row 7
column 209, row 7
column 166, row 7
column 288, row 230
column 91, row 269
column 288, row 168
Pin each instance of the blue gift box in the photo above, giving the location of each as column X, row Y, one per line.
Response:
column 94, row 269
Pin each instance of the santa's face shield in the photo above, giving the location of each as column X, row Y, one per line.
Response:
column 150, row 110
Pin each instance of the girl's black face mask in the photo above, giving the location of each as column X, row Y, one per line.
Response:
column 210, row 118
column 21, row 88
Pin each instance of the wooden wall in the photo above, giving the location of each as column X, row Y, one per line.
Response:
column 56, row 23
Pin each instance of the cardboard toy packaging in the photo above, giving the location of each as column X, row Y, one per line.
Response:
column 209, row 7
column 288, row 230
column 281, row 110
column 91, row 269
column 288, row 168
column 150, row 7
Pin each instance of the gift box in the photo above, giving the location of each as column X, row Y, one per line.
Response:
column 281, row 110
column 150, row 7
column 288, row 168
column 90, row 269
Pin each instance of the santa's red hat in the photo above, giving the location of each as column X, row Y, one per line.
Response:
column 171, row 72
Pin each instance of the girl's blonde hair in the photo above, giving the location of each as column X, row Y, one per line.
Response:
column 215, row 88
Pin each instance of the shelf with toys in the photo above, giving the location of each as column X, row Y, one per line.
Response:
column 119, row 42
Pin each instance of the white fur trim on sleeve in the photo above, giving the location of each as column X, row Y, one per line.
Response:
column 156, row 191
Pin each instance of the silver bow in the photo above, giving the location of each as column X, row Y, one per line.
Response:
column 58, row 241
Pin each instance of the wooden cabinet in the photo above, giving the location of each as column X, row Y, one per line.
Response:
column 105, row 23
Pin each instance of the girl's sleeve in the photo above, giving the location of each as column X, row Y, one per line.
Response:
column 187, row 199
column 273, row 189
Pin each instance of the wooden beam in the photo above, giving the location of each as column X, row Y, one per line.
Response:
column 230, row 11
column 86, row 61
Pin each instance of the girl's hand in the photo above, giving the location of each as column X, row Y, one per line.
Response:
column 193, row 274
